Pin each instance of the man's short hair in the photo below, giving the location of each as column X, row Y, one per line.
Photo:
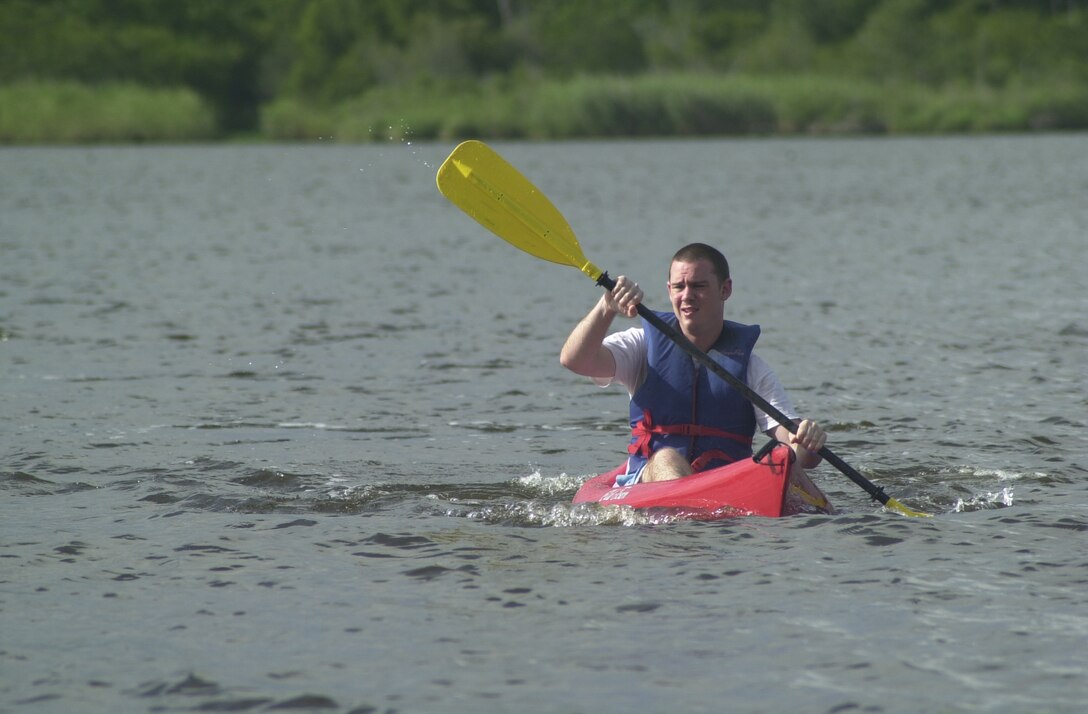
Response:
column 701, row 251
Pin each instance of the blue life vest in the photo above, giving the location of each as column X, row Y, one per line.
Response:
column 684, row 406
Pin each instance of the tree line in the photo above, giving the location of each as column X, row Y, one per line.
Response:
column 242, row 56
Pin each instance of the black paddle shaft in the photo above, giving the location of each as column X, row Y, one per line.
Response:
column 703, row 358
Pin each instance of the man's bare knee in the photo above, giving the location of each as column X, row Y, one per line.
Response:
column 666, row 465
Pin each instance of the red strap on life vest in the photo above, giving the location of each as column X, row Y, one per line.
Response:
column 644, row 429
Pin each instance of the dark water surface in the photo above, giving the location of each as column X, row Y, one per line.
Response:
column 285, row 431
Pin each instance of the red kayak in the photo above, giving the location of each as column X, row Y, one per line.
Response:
column 752, row 487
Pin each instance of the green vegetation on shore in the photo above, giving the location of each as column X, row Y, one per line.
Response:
column 680, row 105
column 581, row 107
column 68, row 112
column 372, row 70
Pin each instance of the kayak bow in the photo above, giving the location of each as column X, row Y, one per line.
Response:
column 756, row 486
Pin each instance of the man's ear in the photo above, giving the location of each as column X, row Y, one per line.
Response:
column 727, row 289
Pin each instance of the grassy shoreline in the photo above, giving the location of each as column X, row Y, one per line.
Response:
column 72, row 113
column 658, row 105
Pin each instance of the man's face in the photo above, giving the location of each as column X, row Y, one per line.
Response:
column 697, row 297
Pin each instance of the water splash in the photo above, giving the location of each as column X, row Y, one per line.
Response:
column 999, row 474
column 535, row 513
column 536, row 482
column 999, row 499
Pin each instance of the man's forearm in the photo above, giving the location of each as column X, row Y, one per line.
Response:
column 582, row 352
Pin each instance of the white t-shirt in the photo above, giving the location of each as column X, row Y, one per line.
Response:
column 629, row 349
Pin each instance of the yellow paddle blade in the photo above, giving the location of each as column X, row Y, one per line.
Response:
column 482, row 184
column 894, row 505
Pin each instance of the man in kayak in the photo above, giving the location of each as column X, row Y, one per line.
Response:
column 684, row 419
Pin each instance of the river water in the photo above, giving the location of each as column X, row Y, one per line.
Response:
column 284, row 430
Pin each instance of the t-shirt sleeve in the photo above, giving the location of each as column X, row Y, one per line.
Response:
column 763, row 380
column 628, row 348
